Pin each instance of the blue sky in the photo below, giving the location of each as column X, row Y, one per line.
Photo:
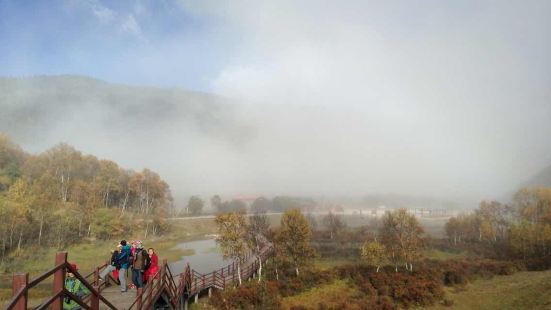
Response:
column 136, row 42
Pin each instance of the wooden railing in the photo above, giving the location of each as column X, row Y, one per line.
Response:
column 21, row 287
column 176, row 289
column 191, row 282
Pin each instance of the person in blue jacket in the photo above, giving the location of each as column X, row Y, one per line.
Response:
column 124, row 257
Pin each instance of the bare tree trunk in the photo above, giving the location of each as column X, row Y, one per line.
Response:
column 20, row 237
column 378, row 266
column 125, row 201
column 11, row 235
column 277, row 274
column 40, row 230
column 239, row 272
column 106, row 195
column 296, row 271
column 260, row 269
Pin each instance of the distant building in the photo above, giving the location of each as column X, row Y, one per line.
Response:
column 379, row 211
column 248, row 200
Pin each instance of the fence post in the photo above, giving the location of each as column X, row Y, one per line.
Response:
column 96, row 276
column 59, row 280
column 20, row 280
column 139, row 299
column 108, row 276
column 196, row 284
column 94, row 299
column 148, row 288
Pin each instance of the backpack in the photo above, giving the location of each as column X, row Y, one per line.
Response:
column 124, row 258
column 147, row 262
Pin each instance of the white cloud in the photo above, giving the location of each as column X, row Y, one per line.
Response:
column 129, row 24
column 123, row 22
column 101, row 12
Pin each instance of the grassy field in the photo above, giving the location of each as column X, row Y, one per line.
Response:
column 523, row 290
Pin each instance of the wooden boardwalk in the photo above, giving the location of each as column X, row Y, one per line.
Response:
column 166, row 290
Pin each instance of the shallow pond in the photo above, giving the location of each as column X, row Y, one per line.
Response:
column 206, row 257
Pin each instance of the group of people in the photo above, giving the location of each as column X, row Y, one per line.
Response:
column 143, row 264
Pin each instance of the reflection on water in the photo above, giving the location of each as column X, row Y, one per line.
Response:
column 206, row 258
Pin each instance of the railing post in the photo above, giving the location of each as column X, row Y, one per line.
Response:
column 94, row 299
column 96, row 276
column 195, row 283
column 139, row 302
column 20, row 280
column 59, row 280
column 108, row 276
column 148, row 288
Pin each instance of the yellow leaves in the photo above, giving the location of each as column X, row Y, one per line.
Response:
column 294, row 237
column 374, row 253
column 232, row 230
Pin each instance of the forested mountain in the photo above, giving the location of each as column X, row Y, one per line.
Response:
column 46, row 104
column 132, row 125
column 61, row 195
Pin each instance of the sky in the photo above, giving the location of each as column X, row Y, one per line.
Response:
column 386, row 96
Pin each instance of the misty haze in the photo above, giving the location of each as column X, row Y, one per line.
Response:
column 171, row 121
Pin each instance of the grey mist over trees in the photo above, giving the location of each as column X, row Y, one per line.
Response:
column 448, row 100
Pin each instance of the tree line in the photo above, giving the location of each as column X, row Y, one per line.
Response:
column 60, row 196
column 521, row 229
column 260, row 205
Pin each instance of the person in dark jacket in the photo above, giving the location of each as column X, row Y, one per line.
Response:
column 124, row 260
column 114, row 263
column 140, row 264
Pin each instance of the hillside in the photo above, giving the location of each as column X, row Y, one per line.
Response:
column 47, row 105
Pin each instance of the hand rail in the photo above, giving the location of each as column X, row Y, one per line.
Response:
column 186, row 284
column 61, row 267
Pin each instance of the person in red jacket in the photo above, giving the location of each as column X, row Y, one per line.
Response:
column 151, row 272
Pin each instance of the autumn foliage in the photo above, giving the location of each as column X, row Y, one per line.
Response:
column 61, row 196
column 521, row 230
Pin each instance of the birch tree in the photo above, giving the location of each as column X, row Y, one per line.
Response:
column 294, row 239
column 232, row 231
